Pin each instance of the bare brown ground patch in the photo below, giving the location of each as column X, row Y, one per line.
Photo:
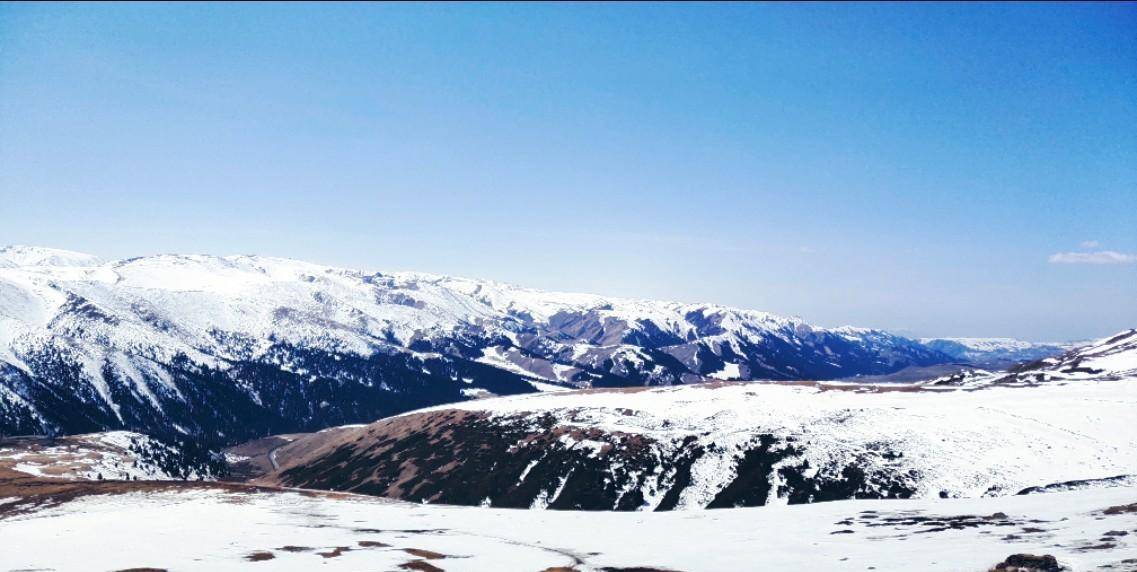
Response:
column 317, row 445
column 420, row 566
column 335, row 552
column 259, row 556
column 1121, row 509
column 427, row 554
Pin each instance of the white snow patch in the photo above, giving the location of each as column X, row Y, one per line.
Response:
column 218, row 530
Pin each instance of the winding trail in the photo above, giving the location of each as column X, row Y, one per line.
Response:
column 272, row 456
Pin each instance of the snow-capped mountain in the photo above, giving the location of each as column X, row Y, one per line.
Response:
column 993, row 351
column 227, row 348
column 1057, row 422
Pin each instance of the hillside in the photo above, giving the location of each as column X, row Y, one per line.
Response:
column 114, row 455
column 730, row 444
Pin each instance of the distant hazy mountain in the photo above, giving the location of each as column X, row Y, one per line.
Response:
column 993, row 351
column 228, row 348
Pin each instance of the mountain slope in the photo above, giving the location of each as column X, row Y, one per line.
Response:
column 113, row 455
column 1111, row 358
column 723, row 445
column 229, row 348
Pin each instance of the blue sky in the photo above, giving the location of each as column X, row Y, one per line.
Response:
column 956, row 170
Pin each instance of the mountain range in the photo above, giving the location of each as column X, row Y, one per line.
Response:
column 223, row 349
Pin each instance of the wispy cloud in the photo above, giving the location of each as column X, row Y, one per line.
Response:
column 1090, row 244
column 1099, row 257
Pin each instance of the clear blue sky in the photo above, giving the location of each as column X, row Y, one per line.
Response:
column 914, row 167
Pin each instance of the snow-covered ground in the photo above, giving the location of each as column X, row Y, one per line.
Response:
column 204, row 529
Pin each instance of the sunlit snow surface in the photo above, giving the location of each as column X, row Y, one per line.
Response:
column 216, row 530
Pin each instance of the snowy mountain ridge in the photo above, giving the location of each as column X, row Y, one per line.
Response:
column 154, row 343
column 17, row 255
